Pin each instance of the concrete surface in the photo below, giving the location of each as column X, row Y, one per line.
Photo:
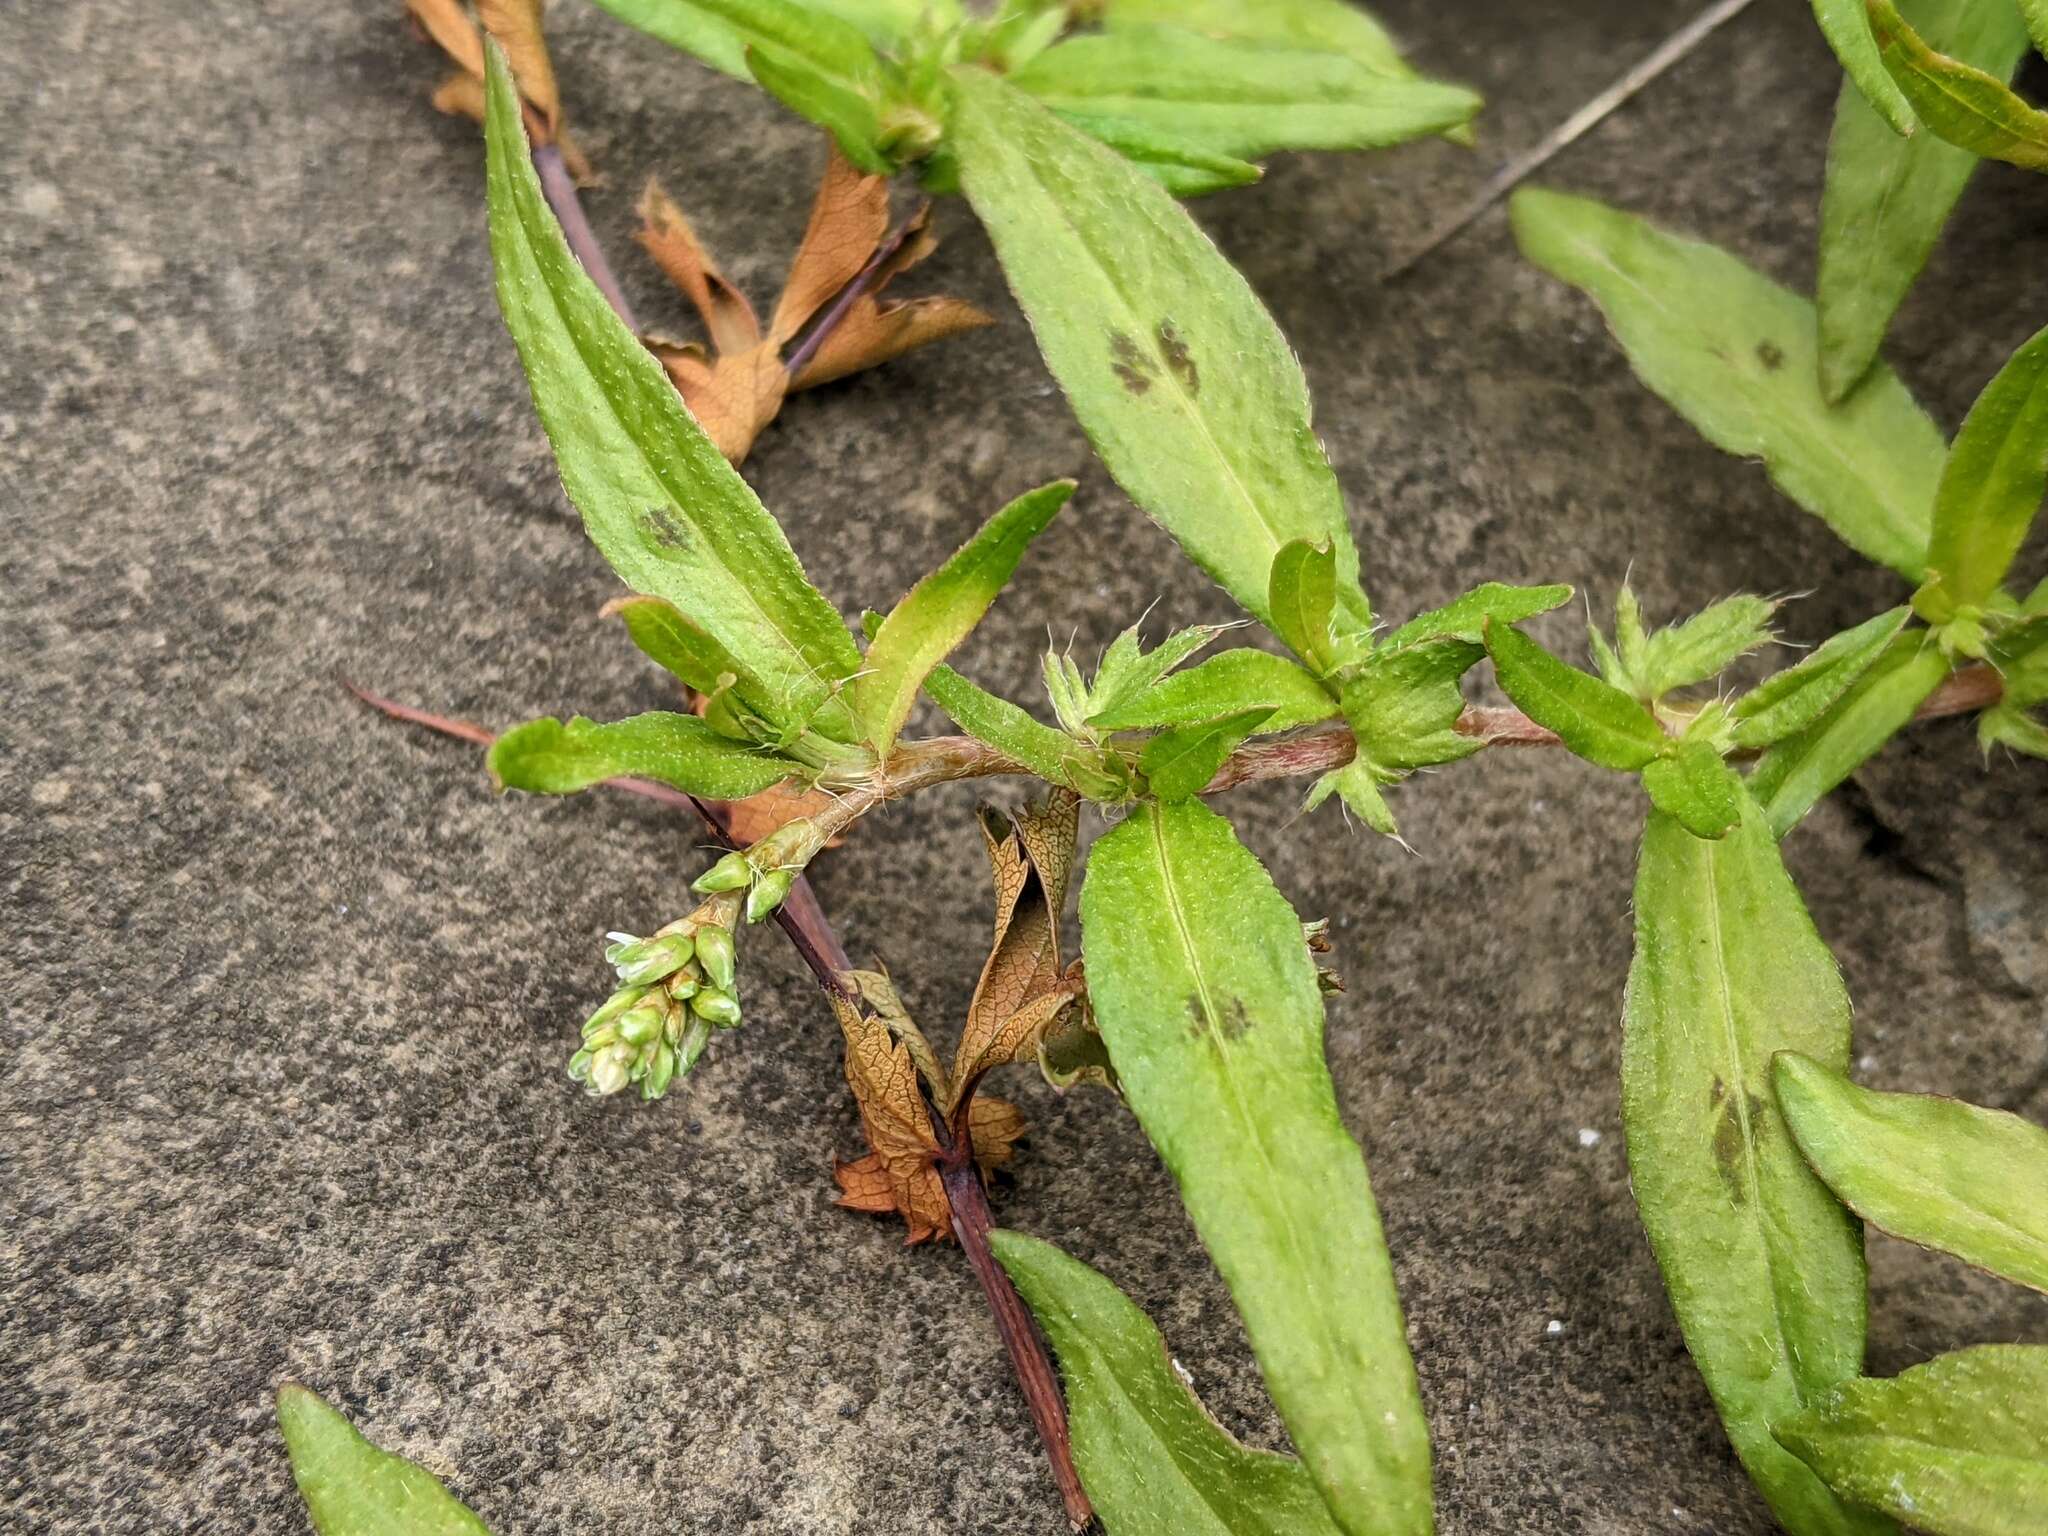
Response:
column 287, row 990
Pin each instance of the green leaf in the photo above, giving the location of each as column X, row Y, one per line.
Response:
column 1301, row 592
column 673, row 518
column 1886, row 198
column 888, row 24
column 851, row 115
column 1177, row 373
column 1696, row 789
column 1207, row 998
column 1595, row 719
column 1403, row 706
column 1128, row 671
column 1465, row 618
column 1847, row 29
column 1184, row 168
column 1970, row 107
column 1358, row 788
column 2035, row 14
column 721, row 31
column 1792, row 777
column 546, row 757
column 1234, row 100
column 1053, row 755
column 671, row 641
column 1971, row 1182
column 942, row 609
column 1764, row 1268
column 1733, row 353
column 1181, row 762
column 2013, row 729
column 1955, row 1447
column 352, row 1488
column 1997, row 473
column 1706, row 644
column 1225, row 685
column 1790, row 701
column 1333, row 26
column 1153, row 1461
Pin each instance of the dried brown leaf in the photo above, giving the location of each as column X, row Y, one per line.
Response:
column 1023, row 986
column 900, row 1171
column 667, row 236
column 849, row 218
column 995, row 1124
column 872, row 334
column 448, row 24
column 460, row 95
column 516, row 24
column 734, row 397
column 879, row 993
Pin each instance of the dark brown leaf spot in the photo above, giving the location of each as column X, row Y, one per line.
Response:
column 1771, row 355
column 1174, row 348
column 1133, row 369
column 664, row 528
column 1733, row 1131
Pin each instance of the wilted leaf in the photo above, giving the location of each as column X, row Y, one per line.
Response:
column 1023, row 986
column 1967, row 106
column 1151, row 1458
column 657, row 497
column 1764, row 1268
column 1972, row 1182
column 1886, row 197
column 1733, row 352
column 737, row 388
column 1955, row 1447
column 940, row 611
column 516, row 24
column 352, row 1488
column 1205, row 992
column 546, row 757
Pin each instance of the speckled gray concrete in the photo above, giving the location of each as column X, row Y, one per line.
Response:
column 287, row 989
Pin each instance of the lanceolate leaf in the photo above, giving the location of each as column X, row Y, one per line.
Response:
column 1764, row 1268
column 661, row 632
column 1184, row 168
column 1733, row 353
column 1847, row 28
column 1301, row 590
column 1887, row 198
column 941, row 609
column 546, row 757
column 1701, row 647
column 1208, row 1001
column 1963, row 104
column 1335, row 26
column 1596, row 720
column 352, row 1488
column 1789, row 701
column 1177, row 373
column 1955, row 1447
column 1794, row 775
column 1225, row 685
column 1466, row 617
column 721, row 31
column 673, row 518
column 1234, row 100
column 1997, row 473
column 1053, row 755
column 1971, row 1182
column 1181, row 762
column 1151, row 1458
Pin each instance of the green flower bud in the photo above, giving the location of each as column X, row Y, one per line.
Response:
column 693, row 1044
column 613, row 1006
column 728, row 874
column 611, row 1068
column 716, row 954
column 684, row 984
column 660, row 1072
column 641, row 1024
column 649, row 960
column 579, row 1066
column 768, row 893
column 720, row 1008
